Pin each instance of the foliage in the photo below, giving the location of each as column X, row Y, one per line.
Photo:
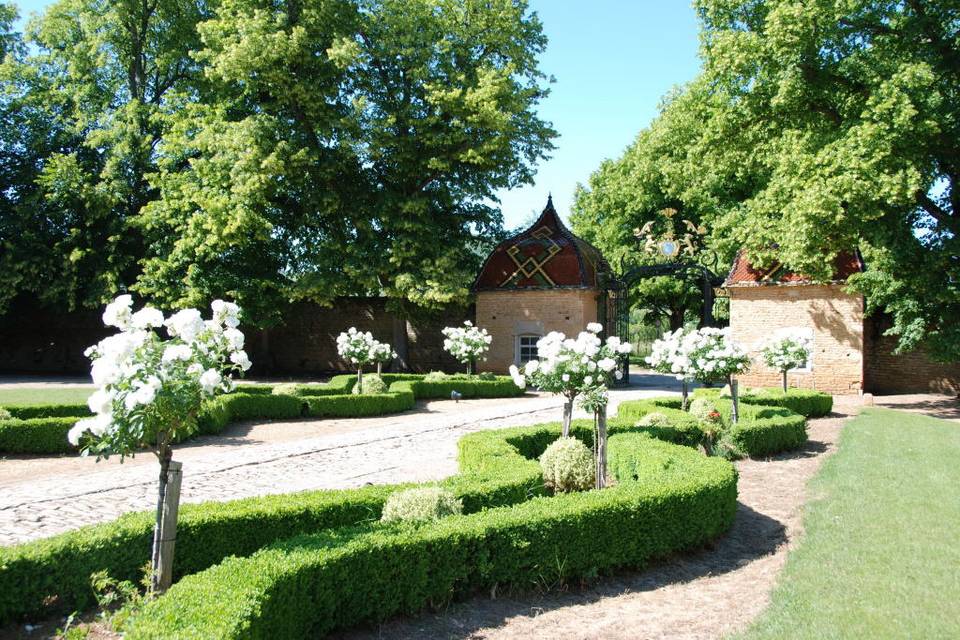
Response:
column 667, row 499
column 702, row 409
column 706, row 354
column 149, row 390
column 372, row 385
column 420, row 505
column 435, row 376
column 357, row 347
column 787, row 350
column 806, row 402
column 195, row 150
column 467, row 343
column 881, row 516
column 654, row 419
column 567, row 465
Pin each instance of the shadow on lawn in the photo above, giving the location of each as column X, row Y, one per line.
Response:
column 752, row 536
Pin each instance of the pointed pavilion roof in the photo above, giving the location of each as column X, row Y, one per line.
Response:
column 546, row 255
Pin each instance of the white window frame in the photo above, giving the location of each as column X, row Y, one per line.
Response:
column 518, row 346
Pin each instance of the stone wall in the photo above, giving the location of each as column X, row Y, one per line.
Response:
column 510, row 313
column 834, row 317
column 914, row 372
column 37, row 341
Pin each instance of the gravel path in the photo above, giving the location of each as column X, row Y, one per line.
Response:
column 707, row 594
column 43, row 496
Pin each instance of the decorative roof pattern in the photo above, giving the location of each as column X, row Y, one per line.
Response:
column 744, row 274
column 544, row 256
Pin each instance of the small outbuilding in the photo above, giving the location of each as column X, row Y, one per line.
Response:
column 540, row 280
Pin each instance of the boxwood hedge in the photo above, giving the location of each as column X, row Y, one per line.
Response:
column 760, row 431
column 43, row 429
column 667, row 498
column 806, row 402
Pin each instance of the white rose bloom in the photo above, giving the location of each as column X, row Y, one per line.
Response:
column 607, row 364
column 594, row 327
column 117, row 314
column 177, row 352
column 234, row 339
column 210, row 380
column 147, row 318
column 77, row 430
column 588, row 380
column 565, row 377
column 100, row 401
column 186, row 324
column 531, row 367
column 241, row 359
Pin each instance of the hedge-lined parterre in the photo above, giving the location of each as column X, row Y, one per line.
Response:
column 43, row 429
column 806, row 402
column 760, row 431
column 667, row 498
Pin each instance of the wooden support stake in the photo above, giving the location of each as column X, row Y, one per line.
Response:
column 168, row 526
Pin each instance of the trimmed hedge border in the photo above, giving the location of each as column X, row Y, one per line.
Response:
column 761, row 431
column 668, row 498
column 43, row 428
column 806, row 402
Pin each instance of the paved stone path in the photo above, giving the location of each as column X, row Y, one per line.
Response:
column 39, row 498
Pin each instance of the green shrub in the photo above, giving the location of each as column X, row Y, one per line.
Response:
column 435, row 376
column 701, row 409
column 4, row 414
column 420, row 505
column 680, row 427
column 667, row 499
column 28, row 411
column 255, row 388
column 36, row 435
column 372, row 385
column 568, row 465
column 654, row 419
column 806, row 402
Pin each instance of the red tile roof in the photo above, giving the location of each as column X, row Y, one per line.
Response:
column 544, row 256
column 744, row 274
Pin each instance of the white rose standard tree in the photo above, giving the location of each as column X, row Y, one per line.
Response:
column 583, row 367
column 382, row 354
column 467, row 344
column 150, row 390
column 670, row 355
column 359, row 348
column 785, row 351
column 713, row 355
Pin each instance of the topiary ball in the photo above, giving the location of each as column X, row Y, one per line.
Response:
column 372, row 384
column 285, row 389
column 702, row 409
column 654, row 419
column 568, row 465
column 435, row 376
column 420, row 505
column 4, row 414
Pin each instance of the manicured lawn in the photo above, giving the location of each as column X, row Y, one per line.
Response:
column 880, row 557
column 18, row 396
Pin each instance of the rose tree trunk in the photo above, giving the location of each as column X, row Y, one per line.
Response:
column 784, row 380
column 600, row 444
column 165, row 527
column 567, row 416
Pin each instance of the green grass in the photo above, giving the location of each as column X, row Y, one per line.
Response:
column 880, row 557
column 15, row 397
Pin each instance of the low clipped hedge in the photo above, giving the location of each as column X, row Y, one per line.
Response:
column 667, row 498
column 806, row 402
column 36, row 435
column 43, row 429
column 760, row 431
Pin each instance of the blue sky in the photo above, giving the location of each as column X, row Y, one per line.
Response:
column 613, row 60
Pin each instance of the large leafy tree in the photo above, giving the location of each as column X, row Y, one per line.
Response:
column 845, row 114
column 352, row 148
column 82, row 115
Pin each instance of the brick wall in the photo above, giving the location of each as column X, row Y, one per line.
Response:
column 507, row 314
column 38, row 341
column 914, row 372
column 835, row 318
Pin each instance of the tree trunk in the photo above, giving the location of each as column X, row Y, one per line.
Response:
column 470, row 366
column 784, row 381
column 685, row 393
column 165, row 527
column 359, row 379
column 379, row 368
column 567, row 416
column 600, row 444
column 735, row 402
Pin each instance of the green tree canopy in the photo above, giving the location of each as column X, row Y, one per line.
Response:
column 269, row 151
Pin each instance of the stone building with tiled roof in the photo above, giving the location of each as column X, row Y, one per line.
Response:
column 850, row 352
column 540, row 280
